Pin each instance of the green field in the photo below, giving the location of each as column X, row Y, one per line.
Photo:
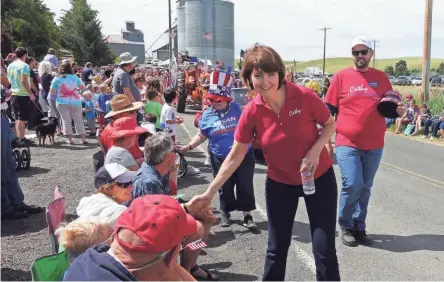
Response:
column 332, row 65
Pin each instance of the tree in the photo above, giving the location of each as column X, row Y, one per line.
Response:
column 30, row 24
column 389, row 70
column 401, row 68
column 440, row 69
column 81, row 33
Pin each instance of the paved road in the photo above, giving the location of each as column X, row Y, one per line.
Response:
column 405, row 217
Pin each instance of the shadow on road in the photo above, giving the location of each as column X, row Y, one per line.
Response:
column 33, row 170
column 218, row 266
column 402, row 244
column 9, row 274
column 34, row 223
column 220, row 238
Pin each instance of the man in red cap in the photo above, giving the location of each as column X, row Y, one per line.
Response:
column 145, row 245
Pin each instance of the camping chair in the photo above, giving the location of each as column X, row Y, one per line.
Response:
column 55, row 214
column 50, row 268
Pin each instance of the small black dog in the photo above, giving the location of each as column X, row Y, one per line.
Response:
column 47, row 129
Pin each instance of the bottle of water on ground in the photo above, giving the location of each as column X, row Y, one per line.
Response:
column 308, row 185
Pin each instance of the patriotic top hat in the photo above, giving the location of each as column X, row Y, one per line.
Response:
column 220, row 86
column 388, row 104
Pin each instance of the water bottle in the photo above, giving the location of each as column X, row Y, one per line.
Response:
column 308, row 185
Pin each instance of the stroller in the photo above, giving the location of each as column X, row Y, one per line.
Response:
column 21, row 154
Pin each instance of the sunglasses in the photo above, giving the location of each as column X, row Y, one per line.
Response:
column 215, row 101
column 363, row 52
column 125, row 185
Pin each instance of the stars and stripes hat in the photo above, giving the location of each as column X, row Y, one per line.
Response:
column 159, row 220
column 220, row 86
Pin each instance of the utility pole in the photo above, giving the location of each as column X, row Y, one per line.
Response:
column 426, row 50
column 170, row 47
column 374, row 51
column 325, row 43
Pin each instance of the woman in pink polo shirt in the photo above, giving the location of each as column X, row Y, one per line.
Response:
column 283, row 118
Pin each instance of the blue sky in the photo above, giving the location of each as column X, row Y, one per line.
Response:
column 292, row 26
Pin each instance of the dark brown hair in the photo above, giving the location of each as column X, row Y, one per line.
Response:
column 262, row 58
column 65, row 68
column 138, row 77
column 151, row 94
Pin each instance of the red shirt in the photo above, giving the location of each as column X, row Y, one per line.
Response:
column 357, row 95
column 108, row 142
column 288, row 136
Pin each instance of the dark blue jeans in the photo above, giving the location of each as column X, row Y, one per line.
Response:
column 282, row 203
column 12, row 195
column 434, row 125
column 242, row 178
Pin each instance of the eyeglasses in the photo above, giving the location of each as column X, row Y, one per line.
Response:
column 125, row 185
column 363, row 52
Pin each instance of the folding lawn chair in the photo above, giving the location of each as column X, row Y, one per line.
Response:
column 55, row 214
column 50, row 268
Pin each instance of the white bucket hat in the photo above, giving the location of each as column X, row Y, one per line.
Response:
column 126, row 58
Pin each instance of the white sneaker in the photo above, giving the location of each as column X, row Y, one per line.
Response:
column 432, row 138
column 207, row 161
column 423, row 137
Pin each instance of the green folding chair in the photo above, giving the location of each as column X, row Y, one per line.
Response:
column 50, row 268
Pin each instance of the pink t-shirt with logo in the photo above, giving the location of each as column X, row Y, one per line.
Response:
column 288, row 136
column 357, row 95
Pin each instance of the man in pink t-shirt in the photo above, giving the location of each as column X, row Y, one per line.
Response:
column 354, row 95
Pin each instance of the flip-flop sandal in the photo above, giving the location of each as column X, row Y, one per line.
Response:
column 85, row 142
column 210, row 276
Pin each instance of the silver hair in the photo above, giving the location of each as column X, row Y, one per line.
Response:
column 45, row 67
column 156, row 147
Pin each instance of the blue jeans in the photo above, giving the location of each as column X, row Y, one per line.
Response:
column 358, row 170
column 12, row 195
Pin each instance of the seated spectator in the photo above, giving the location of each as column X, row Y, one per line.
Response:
column 149, row 122
column 121, row 106
column 436, row 124
column 114, row 188
column 147, row 240
column 77, row 236
column 408, row 118
column 125, row 135
column 424, row 115
column 152, row 179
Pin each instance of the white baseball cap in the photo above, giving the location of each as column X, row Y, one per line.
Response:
column 362, row 40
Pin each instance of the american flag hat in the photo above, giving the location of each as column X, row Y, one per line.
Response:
column 220, row 85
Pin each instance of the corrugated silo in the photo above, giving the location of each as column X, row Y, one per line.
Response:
column 223, row 34
column 181, row 29
column 194, row 27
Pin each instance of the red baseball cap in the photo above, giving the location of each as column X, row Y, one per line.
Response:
column 126, row 126
column 159, row 220
column 409, row 97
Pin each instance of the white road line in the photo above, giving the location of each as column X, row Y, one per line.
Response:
column 300, row 253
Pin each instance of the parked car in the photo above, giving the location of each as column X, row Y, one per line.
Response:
column 402, row 80
column 436, row 81
column 392, row 79
column 417, row 81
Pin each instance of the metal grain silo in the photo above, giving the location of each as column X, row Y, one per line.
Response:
column 223, row 31
column 181, row 29
column 194, row 31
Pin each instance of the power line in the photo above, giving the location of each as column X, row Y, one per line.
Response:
column 325, row 43
column 374, row 51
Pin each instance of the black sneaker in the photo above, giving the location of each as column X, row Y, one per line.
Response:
column 348, row 238
column 248, row 222
column 30, row 209
column 362, row 238
column 225, row 220
column 14, row 214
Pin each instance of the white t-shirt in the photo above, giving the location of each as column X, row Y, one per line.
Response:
column 168, row 113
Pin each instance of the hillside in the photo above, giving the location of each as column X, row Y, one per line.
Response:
column 332, row 65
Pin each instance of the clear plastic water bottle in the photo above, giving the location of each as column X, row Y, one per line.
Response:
column 308, row 185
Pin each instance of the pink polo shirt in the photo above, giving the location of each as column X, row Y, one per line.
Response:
column 288, row 136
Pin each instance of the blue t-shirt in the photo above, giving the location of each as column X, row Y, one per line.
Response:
column 220, row 128
column 67, row 89
column 90, row 115
column 103, row 105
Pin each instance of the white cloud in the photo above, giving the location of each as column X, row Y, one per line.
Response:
column 292, row 26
